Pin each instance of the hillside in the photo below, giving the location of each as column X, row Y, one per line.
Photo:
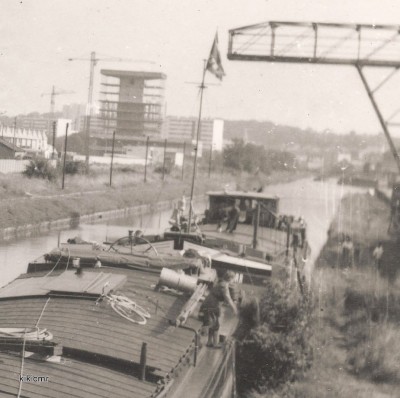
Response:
column 283, row 137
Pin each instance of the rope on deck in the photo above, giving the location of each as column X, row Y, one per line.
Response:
column 41, row 314
column 22, row 367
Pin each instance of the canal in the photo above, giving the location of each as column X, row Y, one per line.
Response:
column 316, row 201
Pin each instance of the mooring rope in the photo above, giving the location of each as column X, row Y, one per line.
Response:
column 41, row 314
column 22, row 367
column 69, row 255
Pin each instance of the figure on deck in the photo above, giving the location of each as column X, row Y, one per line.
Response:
column 211, row 307
column 302, row 226
column 177, row 216
column 233, row 218
column 220, row 217
column 182, row 204
column 175, row 220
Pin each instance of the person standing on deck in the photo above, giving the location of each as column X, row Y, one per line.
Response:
column 211, row 307
column 220, row 217
column 233, row 218
column 182, row 204
column 181, row 207
column 302, row 226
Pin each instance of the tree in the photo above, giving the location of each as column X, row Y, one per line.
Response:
column 277, row 349
column 234, row 153
column 251, row 157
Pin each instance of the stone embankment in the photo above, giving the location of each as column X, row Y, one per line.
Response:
column 25, row 231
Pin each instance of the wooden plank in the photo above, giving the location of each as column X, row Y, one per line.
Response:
column 72, row 379
column 87, row 282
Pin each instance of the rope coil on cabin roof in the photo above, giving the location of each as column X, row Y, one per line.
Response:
column 126, row 308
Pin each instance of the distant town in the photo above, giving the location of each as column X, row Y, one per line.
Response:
column 132, row 105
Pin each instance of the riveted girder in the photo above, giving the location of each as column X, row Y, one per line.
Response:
column 322, row 43
column 360, row 45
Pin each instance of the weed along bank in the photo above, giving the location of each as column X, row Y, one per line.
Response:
column 76, row 219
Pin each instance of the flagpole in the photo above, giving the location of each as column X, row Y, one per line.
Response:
column 202, row 87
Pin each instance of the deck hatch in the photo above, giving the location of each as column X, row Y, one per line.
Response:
column 87, row 283
column 24, row 287
column 92, row 283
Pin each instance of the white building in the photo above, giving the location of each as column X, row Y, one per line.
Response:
column 218, row 135
column 184, row 129
column 29, row 140
column 61, row 126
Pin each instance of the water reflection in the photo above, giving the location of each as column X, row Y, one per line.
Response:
column 316, row 201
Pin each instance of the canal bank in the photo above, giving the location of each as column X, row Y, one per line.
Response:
column 35, row 214
column 356, row 318
column 28, row 230
column 24, row 214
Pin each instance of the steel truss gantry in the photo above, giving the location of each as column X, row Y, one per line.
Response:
column 359, row 45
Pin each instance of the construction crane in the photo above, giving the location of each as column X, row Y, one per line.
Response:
column 52, row 108
column 93, row 62
column 52, row 98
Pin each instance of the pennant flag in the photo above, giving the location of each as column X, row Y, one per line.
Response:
column 214, row 64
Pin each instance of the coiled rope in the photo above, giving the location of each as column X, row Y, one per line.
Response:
column 127, row 308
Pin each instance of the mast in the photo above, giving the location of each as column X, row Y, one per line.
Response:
column 202, row 87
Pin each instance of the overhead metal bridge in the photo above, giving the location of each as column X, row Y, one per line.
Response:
column 364, row 46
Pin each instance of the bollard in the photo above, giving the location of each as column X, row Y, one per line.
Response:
column 143, row 359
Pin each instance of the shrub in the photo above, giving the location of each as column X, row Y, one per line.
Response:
column 277, row 350
column 378, row 357
column 40, row 168
column 127, row 169
column 75, row 167
column 161, row 169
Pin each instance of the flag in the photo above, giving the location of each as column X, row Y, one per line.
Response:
column 214, row 64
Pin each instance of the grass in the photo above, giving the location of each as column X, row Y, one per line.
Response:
column 356, row 325
column 31, row 200
column 354, row 356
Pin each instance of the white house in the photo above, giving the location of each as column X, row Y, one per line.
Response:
column 29, row 140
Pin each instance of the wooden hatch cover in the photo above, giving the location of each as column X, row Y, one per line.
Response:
column 93, row 283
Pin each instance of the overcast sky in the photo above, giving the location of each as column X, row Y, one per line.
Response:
column 37, row 37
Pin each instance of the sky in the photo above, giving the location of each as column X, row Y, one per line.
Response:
column 37, row 38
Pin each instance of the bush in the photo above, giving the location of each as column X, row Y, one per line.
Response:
column 372, row 315
column 75, row 167
column 40, row 168
column 378, row 356
column 161, row 170
column 127, row 169
column 278, row 350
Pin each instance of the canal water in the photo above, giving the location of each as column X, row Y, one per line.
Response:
column 315, row 201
